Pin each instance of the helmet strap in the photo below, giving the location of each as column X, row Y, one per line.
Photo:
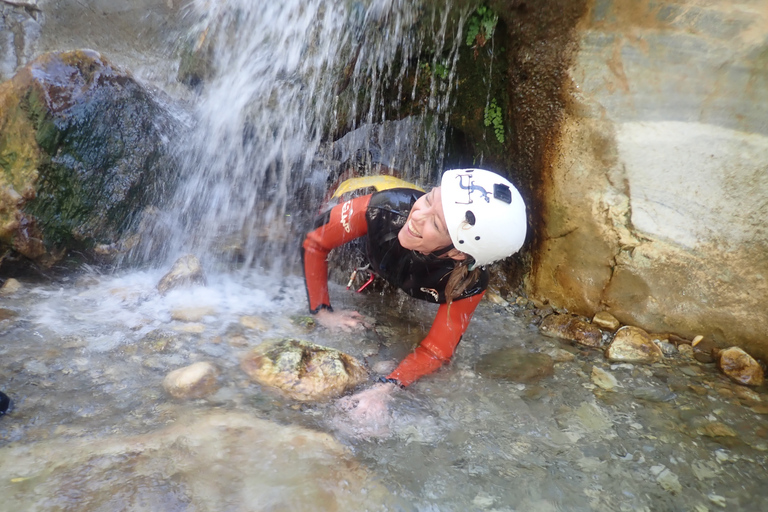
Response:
column 443, row 251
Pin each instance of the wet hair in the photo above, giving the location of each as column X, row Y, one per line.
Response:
column 460, row 279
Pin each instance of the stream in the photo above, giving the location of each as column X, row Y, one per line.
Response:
column 92, row 429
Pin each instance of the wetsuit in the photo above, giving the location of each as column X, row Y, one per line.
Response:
column 380, row 216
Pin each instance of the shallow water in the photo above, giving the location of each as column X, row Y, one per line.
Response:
column 85, row 358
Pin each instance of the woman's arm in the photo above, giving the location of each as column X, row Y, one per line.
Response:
column 438, row 347
column 343, row 223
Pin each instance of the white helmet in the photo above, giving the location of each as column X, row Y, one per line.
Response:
column 484, row 214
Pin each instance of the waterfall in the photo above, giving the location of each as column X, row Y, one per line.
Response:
column 258, row 155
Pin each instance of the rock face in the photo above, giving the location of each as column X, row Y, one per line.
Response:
column 571, row 328
column 303, row 371
column 633, row 345
column 83, row 150
column 194, row 381
column 740, row 367
column 662, row 137
column 199, row 463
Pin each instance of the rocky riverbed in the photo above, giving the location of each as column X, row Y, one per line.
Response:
column 518, row 421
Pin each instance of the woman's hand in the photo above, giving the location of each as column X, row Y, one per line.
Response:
column 345, row 320
column 366, row 414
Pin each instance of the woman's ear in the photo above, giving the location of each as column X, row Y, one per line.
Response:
column 457, row 255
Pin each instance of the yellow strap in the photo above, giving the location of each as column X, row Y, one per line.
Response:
column 378, row 182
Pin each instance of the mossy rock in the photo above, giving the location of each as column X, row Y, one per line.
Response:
column 83, row 149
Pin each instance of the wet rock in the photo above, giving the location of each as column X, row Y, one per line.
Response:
column 607, row 321
column 747, row 394
column 495, row 298
column 10, row 286
column 686, row 351
column 604, row 379
column 7, row 314
column 633, row 345
column 195, row 381
column 210, row 459
column 158, row 340
column 306, row 322
column 192, row 328
column 302, row 370
column 716, row 429
column 571, row 328
column 516, row 365
column 559, row 355
column 5, row 404
column 667, row 479
column 254, row 322
column 83, row 147
column 740, row 367
column 667, row 348
column 192, row 314
column 185, row 271
column 654, row 394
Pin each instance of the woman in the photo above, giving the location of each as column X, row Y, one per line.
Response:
column 434, row 246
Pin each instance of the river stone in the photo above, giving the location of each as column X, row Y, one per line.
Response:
column 194, row 381
column 83, row 149
column 571, row 328
column 633, row 345
column 302, row 370
column 194, row 314
column 254, row 322
column 740, row 367
column 605, row 320
column 516, row 365
column 604, row 379
column 208, row 462
column 185, row 271
column 10, row 286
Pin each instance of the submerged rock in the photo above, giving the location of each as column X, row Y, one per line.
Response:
column 185, row 271
column 633, row 345
column 571, row 328
column 194, row 381
column 302, row 370
column 199, row 463
column 10, row 286
column 83, row 148
column 740, row 367
column 516, row 365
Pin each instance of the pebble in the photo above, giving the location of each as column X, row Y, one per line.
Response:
column 571, row 328
column 495, row 298
column 716, row 429
column 633, row 345
column 668, row 481
column 717, row 500
column 606, row 321
column 740, row 367
column 10, row 287
column 254, row 322
column 604, row 379
column 195, row 381
column 192, row 314
column 747, row 394
column 686, row 351
column 559, row 355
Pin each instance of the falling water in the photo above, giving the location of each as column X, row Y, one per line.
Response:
column 289, row 77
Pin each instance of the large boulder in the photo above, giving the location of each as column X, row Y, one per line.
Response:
column 83, row 150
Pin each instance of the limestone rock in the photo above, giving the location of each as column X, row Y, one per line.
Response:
column 302, row 370
column 184, row 272
column 516, row 365
column 571, row 328
column 605, row 320
column 198, row 463
column 82, row 147
column 740, row 367
column 633, row 345
column 194, row 381
column 10, row 286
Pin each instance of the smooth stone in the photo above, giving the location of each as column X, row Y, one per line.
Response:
column 10, row 286
column 747, row 394
column 559, row 355
column 516, row 365
column 740, row 367
column 195, row 381
column 686, row 351
column 760, row 408
column 254, row 322
column 605, row 320
column 716, row 429
column 604, row 379
column 185, row 271
column 571, row 328
column 302, row 370
column 633, row 345
column 653, row 394
column 495, row 298
column 195, row 314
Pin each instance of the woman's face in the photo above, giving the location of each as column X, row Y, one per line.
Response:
column 425, row 230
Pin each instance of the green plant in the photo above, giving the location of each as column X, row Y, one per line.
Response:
column 480, row 26
column 438, row 70
column 493, row 117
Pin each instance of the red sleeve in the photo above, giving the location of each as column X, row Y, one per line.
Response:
column 343, row 223
column 437, row 348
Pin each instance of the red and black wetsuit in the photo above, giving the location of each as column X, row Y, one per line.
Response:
column 380, row 216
